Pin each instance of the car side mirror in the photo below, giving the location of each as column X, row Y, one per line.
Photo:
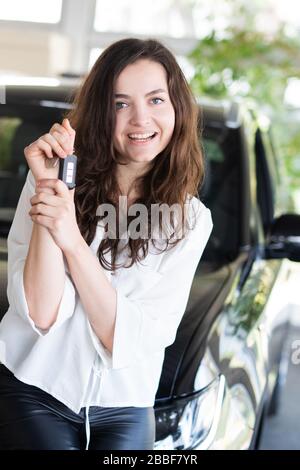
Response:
column 284, row 238
column 287, row 225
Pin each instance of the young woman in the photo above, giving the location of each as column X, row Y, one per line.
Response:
column 93, row 306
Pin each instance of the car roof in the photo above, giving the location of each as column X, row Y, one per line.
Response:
column 60, row 91
column 36, row 90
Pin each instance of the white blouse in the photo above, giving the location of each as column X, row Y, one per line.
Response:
column 68, row 361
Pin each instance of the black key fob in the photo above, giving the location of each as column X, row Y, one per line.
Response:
column 67, row 170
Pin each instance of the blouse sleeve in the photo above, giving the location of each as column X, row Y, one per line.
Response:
column 148, row 318
column 18, row 244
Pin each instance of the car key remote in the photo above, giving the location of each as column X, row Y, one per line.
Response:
column 67, row 170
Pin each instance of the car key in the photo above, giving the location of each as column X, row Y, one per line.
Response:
column 67, row 170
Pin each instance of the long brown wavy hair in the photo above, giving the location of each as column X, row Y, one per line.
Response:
column 176, row 172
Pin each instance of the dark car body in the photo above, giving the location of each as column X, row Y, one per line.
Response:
column 221, row 374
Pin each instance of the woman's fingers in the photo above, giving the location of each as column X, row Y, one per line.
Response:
column 63, row 139
column 59, row 142
column 72, row 133
column 64, row 134
column 58, row 149
column 45, row 190
column 40, row 144
column 67, row 125
column 44, row 209
column 43, row 198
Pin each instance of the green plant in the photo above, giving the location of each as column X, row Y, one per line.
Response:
column 253, row 64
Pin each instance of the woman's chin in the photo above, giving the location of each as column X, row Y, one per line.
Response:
column 140, row 158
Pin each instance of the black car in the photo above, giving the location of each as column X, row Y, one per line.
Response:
column 222, row 374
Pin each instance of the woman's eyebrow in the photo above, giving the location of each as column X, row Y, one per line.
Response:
column 159, row 90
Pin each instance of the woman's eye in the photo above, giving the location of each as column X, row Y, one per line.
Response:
column 120, row 105
column 157, row 100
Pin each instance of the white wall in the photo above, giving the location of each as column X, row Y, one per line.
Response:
column 33, row 52
column 51, row 49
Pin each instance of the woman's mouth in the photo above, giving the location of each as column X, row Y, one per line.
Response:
column 142, row 138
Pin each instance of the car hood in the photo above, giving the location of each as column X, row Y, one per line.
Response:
column 182, row 358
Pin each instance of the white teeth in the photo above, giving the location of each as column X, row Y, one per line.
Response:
column 141, row 136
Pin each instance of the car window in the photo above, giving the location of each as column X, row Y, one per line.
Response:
column 8, row 127
column 213, row 150
column 19, row 126
column 220, row 192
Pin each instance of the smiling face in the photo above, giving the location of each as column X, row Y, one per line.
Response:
column 145, row 116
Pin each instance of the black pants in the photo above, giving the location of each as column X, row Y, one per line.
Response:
column 32, row 419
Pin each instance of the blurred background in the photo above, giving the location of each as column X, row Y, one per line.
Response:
column 226, row 48
column 230, row 48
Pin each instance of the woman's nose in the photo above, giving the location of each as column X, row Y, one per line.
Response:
column 140, row 115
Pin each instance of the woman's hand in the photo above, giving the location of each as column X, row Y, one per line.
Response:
column 42, row 154
column 56, row 212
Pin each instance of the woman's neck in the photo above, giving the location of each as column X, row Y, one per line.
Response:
column 127, row 180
